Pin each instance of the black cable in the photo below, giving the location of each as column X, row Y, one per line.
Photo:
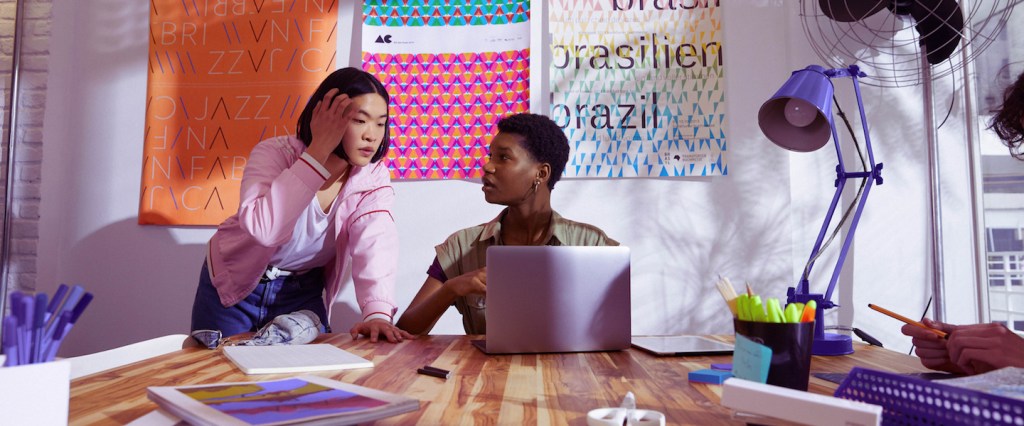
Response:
column 923, row 314
column 867, row 337
column 952, row 98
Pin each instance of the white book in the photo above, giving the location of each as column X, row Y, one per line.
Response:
column 158, row 417
column 305, row 400
column 293, row 358
column 797, row 406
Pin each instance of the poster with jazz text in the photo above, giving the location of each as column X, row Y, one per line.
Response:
column 222, row 77
column 637, row 86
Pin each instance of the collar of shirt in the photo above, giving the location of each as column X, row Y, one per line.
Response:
column 492, row 230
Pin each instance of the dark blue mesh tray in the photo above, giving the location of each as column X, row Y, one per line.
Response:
column 910, row 401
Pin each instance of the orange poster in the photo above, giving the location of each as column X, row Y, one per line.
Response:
column 224, row 75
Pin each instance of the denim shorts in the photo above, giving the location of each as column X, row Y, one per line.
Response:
column 270, row 298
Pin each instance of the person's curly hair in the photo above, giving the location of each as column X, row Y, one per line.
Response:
column 543, row 139
column 1008, row 121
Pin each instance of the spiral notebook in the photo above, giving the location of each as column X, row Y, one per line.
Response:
column 293, row 358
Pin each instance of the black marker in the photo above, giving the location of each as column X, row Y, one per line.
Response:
column 439, row 370
column 435, row 372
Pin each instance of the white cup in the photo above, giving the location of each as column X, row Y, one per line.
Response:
column 616, row 417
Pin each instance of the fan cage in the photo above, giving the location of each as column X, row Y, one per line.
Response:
column 887, row 47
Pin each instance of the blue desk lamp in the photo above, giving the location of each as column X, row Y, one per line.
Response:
column 799, row 118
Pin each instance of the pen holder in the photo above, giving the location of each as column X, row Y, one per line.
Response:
column 791, row 345
column 35, row 394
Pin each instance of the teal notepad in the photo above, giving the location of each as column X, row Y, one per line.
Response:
column 751, row 360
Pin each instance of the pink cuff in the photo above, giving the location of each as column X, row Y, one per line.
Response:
column 378, row 315
column 378, row 309
column 319, row 168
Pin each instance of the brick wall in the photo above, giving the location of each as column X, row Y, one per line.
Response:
column 28, row 154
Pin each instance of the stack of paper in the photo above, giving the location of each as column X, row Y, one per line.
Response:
column 797, row 406
column 293, row 358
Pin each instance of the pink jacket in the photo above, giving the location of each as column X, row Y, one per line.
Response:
column 276, row 187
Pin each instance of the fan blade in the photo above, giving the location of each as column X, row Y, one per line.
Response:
column 940, row 23
column 850, row 10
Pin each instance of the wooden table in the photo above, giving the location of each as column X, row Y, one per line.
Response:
column 501, row 389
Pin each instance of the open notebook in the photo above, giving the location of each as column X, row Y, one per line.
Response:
column 293, row 358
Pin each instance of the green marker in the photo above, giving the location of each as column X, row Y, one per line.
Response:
column 792, row 313
column 775, row 313
column 742, row 310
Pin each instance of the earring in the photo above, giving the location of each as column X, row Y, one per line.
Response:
column 536, row 184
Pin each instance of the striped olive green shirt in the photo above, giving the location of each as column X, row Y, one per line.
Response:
column 466, row 251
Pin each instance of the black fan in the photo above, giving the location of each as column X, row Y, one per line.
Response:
column 891, row 39
column 938, row 22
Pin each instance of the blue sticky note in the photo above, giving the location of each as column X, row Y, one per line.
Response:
column 751, row 360
column 727, row 366
column 708, row 375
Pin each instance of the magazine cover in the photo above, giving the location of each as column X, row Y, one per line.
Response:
column 307, row 400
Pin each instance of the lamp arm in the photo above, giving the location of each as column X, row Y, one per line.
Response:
column 815, row 252
column 876, row 169
column 848, row 240
column 873, row 175
column 840, row 184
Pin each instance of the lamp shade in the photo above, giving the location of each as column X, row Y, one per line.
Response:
column 799, row 116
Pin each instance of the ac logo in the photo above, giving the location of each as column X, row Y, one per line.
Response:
column 384, row 39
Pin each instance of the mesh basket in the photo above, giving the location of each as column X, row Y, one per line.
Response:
column 911, row 401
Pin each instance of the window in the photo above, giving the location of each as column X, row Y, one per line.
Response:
column 1002, row 178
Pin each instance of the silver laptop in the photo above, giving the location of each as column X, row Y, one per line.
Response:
column 557, row 299
column 681, row 345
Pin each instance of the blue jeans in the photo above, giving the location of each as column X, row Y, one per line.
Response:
column 269, row 299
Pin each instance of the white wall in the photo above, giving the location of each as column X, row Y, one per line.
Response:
column 754, row 225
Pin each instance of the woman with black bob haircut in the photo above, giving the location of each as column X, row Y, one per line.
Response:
column 309, row 203
column 354, row 82
column 1008, row 121
column 526, row 159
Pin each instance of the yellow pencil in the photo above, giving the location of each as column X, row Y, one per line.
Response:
column 906, row 320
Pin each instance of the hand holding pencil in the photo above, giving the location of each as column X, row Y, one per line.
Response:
column 970, row 349
column 962, row 349
column 930, row 341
